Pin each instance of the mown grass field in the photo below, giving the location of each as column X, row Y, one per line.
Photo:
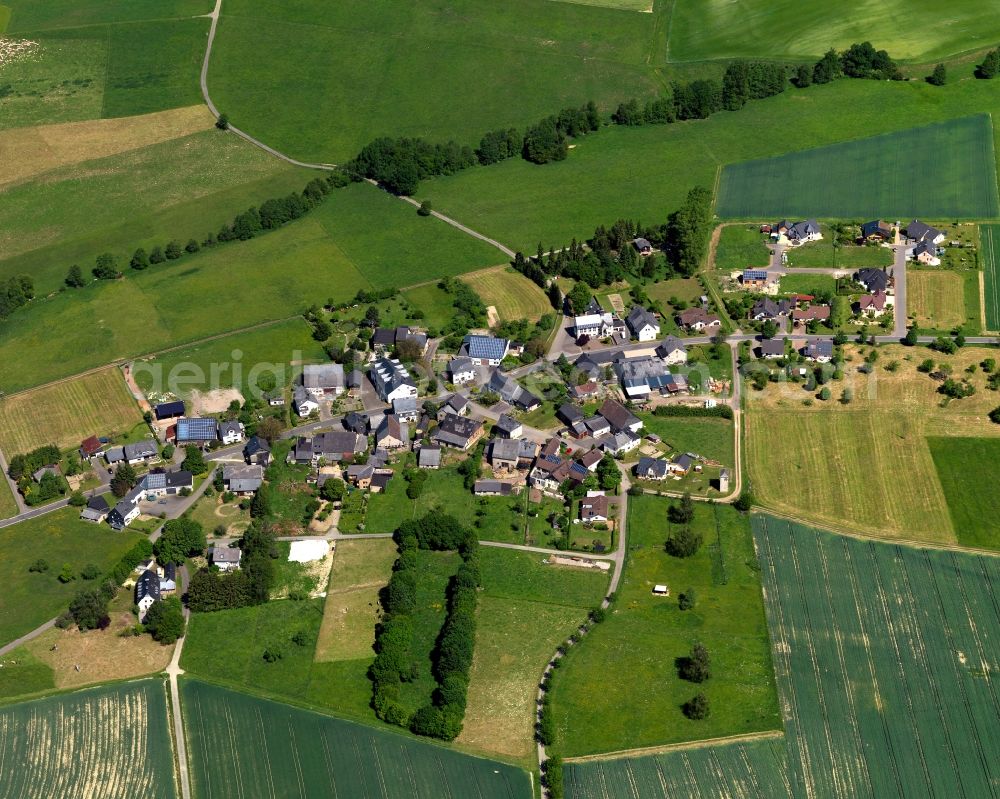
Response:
column 239, row 743
column 526, row 609
column 191, row 184
column 108, row 741
column 712, row 438
column 741, row 247
column 277, row 350
column 358, row 239
column 8, row 507
column 644, row 173
column 512, row 294
column 867, row 465
column 753, row 768
column 870, row 177
column 704, row 29
column 882, row 655
column 990, row 238
column 66, row 413
column 59, row 537
column 966, row 468
column 936, row 300
column 824, row 254
column 383, row 70
column 619, row 689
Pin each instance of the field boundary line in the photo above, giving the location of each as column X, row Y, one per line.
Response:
column 748, row 737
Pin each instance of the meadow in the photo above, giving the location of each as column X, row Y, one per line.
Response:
column 404, row 70
column 8, row 507
column 239, row 743
column 751, row 768
column 990, row 237
column 827, row 255
column 866, row 465
column 525, row 610
column 102, row 742
column 973, row 509
column 66, row 413
column 619, row 688
column 937, row 300
column 709, row 437
column 873, row 177
column 512, row 294
column 740, row 247
column 31, row 598
column 881, row 653
column 644, row 173
column 707, row 29
column 359, row 238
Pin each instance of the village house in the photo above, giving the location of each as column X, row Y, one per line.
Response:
column 355, row 382
column 877, row 231
column 874, row 280
column 257, row 451
column 90, row 448
column 918, row 231
column 698, row 319
column 643, row 246
column 756, row 279
column 242, row 479
column 96, row 511
column 619, row 417
column 147, row 592
column 392, row 432
column 493, row 488
column 642, row 376
column 391, row 380
column 429, row 456
column 597, row 325
column 406, row 409
column 924, row 253
column 458, row 432
column 462, row 370
column 772, row 348
column 333, row 446
column 385, row 338
column 275, row 399
column 643, row 324
column 126, row 511
column 569, row 413
column 818, row 313
column 485, row 350
column 304, row 402
column 818, row 350
column 457, row 405
column 871, row 305
column 620, row 443
column 231, row 432
column 766, row 309
column 672, row 351
column 324, row 380
column 198, row 431
column 360, row 475
column 594, row 509
column 225, row 558
column 162, row 484
column 512, row 392
column 588, row 390
column 168, row 579
column 798, row 233
column 508, row 427
column 356, row 422
column 590, row 459
column 133, row 454
column 651, row 469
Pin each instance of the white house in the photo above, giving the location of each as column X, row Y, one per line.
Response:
column 324, row 380
column 147, row 592
column 462, row 370
column 303, row 401
column 391, row 379
column 485, row 350
column 643, row 324
column 226, row 559
column 231, row 432
column 672, row 351
column 598, row 325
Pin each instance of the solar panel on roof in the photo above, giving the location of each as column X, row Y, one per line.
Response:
column 196, row 429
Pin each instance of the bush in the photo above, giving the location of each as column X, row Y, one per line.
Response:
column 696, row 708
column 684, row 543
column 90, row 572
column 165, row 620
column 696, row 667
column 39, row 566
column 67, row 575
column 273, row 653
column 686, row 599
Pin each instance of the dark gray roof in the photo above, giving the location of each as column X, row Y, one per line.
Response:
column 98, row 503
column 161, row 480
column 653, row 466
column 148, row 584
column 166, row 410
column 873, row 279
column 639, row 318
column 493, row 487
column 429, row 455
column 256, row 444
column 921, row 231
column 507, row 424
column 141, row 449
column 772, row 346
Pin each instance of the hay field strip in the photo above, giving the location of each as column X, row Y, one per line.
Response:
column 936, row 299
column 882, row 655
column 65, row 413
column 101, row 743
column 512, row 294
column 990, row 242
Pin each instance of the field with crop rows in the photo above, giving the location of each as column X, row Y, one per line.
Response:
column 746, row 769
column 66, row 413
column 973, row 504
column 243, row 746
column 990, row 238
column 871, row 177
column 883, row 656
column 100, row 743
column 512, row 294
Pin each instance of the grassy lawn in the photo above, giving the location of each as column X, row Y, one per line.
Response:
column 936, row 300
column 383, row 245
column 972, row 506
column 276, row 350
column 687, row 289
column 811, row 284
column 740, row 247
column 825, row 255
column 709, row 437
column 862, row 178
column 511, row 293
column 525, row 610
column 866, row 465
column 436, row 305
column 59, row 537
column 619, row 689
column 521, row 204
column 289, row 493
column 212, row 512
column 8, row 507
column 66, row 413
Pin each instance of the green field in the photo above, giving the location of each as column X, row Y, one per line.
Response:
column 973, row 506
column 882, row 654
column 873, row 177
column 944, row 300
column 284, row 344
column 751, row 769
column 32, row 598
column 644, row 173
column 359, row 238
column 512, row 294
column 990, row 237
column 740, row 247
column 704, row 29
column 112, row 741
column 619, row 689
column 810, row 284
column 112, row 59
column 824, row 254
column 8, row 507
column 710, row 437
column 399, row 69
column 239, row 743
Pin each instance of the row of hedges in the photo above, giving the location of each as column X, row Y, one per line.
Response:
column 442, row 716
column 719, row 411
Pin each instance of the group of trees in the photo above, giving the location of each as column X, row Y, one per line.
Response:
column 89, row 608
column 990, row 67
column 469, row 311
column 165, row 620
column 857, row 61
column 688, row 231
column 400, row 164
column 15, row 292
column 250, row 585
column 394, row 662
column 696, row 668
column 684, row 541
column 548, row 139
column 22, row 468
column 181, row 538
column 270, row 215
column 26, row 464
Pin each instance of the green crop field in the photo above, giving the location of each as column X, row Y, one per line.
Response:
column 883, row 655
column 704, row 29
column 973, row 506
column 619, row 689
column 644, row 173
column 512, row 294
column 112, row 741
column 284, row 345
column 873, row 177
column 990, row 238
column 32, row 598
column 358, row 239
column 750, row 769
column 239, row 743
column 66, row 413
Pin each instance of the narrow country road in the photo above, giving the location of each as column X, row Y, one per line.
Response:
column 173, row 672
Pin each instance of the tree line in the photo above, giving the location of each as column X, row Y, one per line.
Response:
column 15, row 292
column 394, row 662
